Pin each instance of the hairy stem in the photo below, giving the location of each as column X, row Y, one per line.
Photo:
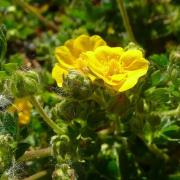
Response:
column 44, row 115
column 35, row 154
column 28, row 8
column 37, row 175
column 125, row 18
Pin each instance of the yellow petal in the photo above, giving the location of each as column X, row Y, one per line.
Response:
column 138, row 64
column 78, row 45
column 98, row 61
column 97, row 41
column 129, row 56
column 64, row 57
column 92, row 61
column 137, row 73
column 105, row 53
column 128, row 84
column 57, row 74
column 94, row 65
column 69, row 54
column 23, row 107
column 83, row 43
column 23, row 117
column 119, row 77
column 22, row 104
column 131, row 79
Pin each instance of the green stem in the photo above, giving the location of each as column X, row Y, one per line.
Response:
column 154, row 149
column 31, row 9
column 125, row 18
column 37, row 175
column 174, row 112
column 45, row 117
column 73, row 3
column 117, row 162
column 35, row 154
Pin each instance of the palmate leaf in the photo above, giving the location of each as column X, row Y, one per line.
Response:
column 3, row 43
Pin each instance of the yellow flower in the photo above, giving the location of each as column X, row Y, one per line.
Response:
column 23, row 108
column 69, row 55
column 118, row 68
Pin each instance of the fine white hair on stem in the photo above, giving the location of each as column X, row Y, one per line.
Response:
column 5, row 101
column 15, row 171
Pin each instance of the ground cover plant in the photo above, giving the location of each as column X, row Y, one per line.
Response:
column 90, row 89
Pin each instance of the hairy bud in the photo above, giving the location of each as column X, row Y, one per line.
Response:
column 64, row 172
column 24, row 83
column 61, row 148
column 77, row 85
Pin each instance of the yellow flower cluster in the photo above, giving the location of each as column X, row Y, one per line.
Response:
column 118, row 68
column 23, row 108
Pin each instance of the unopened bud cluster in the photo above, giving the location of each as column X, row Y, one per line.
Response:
column 77, row 85
column 24, row 83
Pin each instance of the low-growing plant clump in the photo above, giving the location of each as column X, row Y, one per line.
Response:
column 90, row 90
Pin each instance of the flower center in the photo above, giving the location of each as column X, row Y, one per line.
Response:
column 114, row 66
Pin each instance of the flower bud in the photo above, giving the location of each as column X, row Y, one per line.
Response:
column 69, row 109
column 24, row 83
column 64, row 172
column 174, row 74
column 61, row 147
column 132, row 45
column 175, row 57
column 5, row 152
column 64, row 110
column 77, row 85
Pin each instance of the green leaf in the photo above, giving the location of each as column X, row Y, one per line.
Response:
column 148, row 133
column 10, row 67
column 5, row 3
column 112, row 167
column 168, row 131
column 17, row 58
column 3, row 43
column 156, row 77
column 157, row 95
column 8, row 123
column 174, row 176
column 169, row 128
column 3, row 75
column 22, row 147
column 159, row 59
